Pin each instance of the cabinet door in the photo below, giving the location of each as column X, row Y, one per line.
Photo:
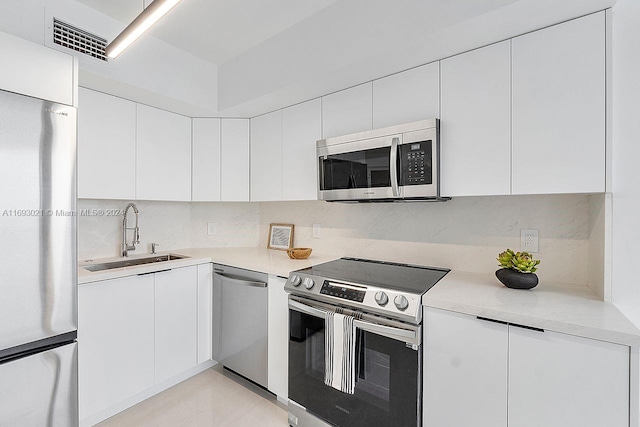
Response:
column 465, row 370
column 278, row 345
column 563, row 380
column 205, row 300
column 347, row 111
column 176, row 321
column 163, row 161
column 106, row 146
column 475, row 125
column 115, row 339
column 266, row 157
column 407, row 97
column 301, row 128
column 235, row 160
column 34, row 70
column 206, row 160
column 559, row 108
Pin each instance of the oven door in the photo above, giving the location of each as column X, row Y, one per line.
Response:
column 359, row 170
column 388, row 374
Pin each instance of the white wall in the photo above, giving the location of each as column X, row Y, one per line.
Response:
column 465, row 233
column 626, row 155
column 150, row 71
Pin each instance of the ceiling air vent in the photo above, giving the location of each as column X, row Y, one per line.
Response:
column 79, row 40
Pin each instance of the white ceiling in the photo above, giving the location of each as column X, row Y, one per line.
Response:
column 217, row 30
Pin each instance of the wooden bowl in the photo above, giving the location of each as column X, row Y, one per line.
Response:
column 299, row 253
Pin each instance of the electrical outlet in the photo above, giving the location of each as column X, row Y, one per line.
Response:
column 211, row 228
column 528, row 240
column 317, row 231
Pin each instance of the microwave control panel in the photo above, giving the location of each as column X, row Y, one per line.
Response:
column 415, row 163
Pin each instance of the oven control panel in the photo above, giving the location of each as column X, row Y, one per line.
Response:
column 403, row 306
column 343, row 291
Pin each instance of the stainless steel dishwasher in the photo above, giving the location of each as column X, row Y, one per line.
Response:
column 240, row 321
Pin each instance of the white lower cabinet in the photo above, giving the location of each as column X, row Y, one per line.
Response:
column 485, row 373
column 205, row 318
column 138, row 334
column 465, row 370
column 176, row 321
column 115, row 341
column 278, row 330
column 563, row 380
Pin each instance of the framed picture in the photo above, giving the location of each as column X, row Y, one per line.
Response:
column 280, row 236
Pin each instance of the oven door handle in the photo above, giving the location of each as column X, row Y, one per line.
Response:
column 304, row 308
column 409, row 336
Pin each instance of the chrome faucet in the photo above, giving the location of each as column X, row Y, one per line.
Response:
column 136, row 231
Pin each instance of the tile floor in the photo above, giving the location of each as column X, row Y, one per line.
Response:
column 215, row 397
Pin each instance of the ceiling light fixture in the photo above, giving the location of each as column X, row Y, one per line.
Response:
column 149, row 16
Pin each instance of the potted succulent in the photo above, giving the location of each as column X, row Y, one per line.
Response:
column 518, row 269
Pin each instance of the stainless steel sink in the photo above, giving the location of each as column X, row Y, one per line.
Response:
column 132, row 262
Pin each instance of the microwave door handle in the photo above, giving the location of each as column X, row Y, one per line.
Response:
column 393, row 166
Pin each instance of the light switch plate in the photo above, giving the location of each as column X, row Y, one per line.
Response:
column 317, row 231
column 529, row 240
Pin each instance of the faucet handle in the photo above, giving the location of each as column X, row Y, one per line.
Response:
column 153, row 247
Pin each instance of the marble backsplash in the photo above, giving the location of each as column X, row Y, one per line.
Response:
column 172, row 225
column 464, row 233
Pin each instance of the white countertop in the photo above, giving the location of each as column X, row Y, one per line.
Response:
column 573, row 310
column 257, row 259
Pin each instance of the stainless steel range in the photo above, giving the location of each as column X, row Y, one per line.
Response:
column 355, row 346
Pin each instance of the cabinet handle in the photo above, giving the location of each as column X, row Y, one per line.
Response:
column 486, row 319
column 154, row 272
column 526, row 327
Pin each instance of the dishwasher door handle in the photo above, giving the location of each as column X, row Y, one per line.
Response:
column 241, row 281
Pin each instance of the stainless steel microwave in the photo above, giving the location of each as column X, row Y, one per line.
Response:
column 397, row 163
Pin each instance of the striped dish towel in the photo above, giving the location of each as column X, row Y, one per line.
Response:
column 340, row 349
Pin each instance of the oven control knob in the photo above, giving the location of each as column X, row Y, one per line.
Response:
column 295, row 280
column 308, row 283
column 401, row 302
column 381, row 298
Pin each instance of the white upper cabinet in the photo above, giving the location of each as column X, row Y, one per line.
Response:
column 347, row 111
column 559, row 380
column 266, row 157
column 205, row 186
column 34, row 70
column 407, row 97
column 559, row 108
column 301, row 128
column 475, row 125
column 106, row 146
column 163, row 161
column 235, row 160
